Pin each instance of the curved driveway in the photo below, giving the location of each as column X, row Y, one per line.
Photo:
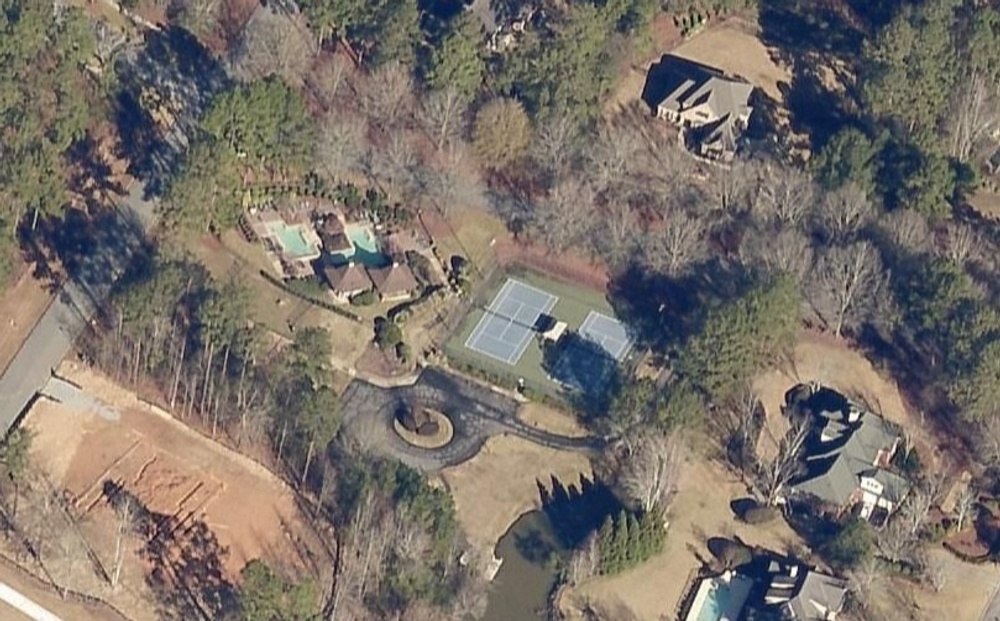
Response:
column 476, row 412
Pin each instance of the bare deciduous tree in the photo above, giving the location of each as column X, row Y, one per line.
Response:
column 395, row 165
column 845, row 211
column 617, row 241
column 988, row 439
column 908, row 230
column 846, row 284
column 454, row 183
column 555, row 146
column 125, row 513
column 965, row 507
column 789, row 252
column 734, row 186
column 614, row 155
column 895, row 541
column 199, row 16
column 785, row 195
column 272, row 44
column 329, row 78
column 963, row 243
column 976, row 114
column 773, row 476
column 443, row 117
column 677, row 244
column 386, row 96
column 916, row 509
column 650, row 473
column 565, row 218
column 584, row 562
column 934, row 571
column 340, row 148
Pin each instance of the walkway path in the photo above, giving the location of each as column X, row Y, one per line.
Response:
column 89, row 284
column 476, row 412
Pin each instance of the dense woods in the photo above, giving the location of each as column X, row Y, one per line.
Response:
column 717, row 268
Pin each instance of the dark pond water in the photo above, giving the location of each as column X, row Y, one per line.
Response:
column 521, row 588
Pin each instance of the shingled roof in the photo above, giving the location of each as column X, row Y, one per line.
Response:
column 393, row 280
column 348, row 278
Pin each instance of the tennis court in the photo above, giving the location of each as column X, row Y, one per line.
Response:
column 607, row 332
column 507, row 326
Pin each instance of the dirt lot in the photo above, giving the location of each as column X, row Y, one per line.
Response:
column 701, row 510
column 832, row 363
column 733, row 47
column 499, row 484
column 22, row 303
column 197, row 492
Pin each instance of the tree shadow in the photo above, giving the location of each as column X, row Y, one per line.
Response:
column 664, row 310
column 575, row 512
column 165, row 89
column 184, row 562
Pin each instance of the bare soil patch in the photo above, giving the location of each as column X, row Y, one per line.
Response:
column 833, row 363
column 501, row 483
column 216, row 509
column 653, row 590
column 21, row 306
column 734, row 47
column 549, row 419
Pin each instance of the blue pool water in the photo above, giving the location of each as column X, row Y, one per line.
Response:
column 725, row 601
column 293, row 241
column 366, row 247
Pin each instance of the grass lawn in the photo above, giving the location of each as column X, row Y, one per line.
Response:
column 573, row 306
column 273, row 308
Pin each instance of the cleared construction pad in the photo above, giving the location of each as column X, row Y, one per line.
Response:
column 208, row 505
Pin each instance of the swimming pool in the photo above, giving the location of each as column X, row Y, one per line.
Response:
column 720, row 600
column 366, row 249
column 293, row 241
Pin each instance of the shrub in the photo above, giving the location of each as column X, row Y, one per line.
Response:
column 387, row 334
column 759, row 514
column 403, row 351
column 365, row 298
column 850, row 547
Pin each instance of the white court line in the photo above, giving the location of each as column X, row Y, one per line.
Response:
column 25, row 605
column 530, row 288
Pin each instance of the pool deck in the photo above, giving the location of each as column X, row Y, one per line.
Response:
column 738, row 589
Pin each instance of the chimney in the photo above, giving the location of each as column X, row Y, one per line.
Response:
column 793, row 571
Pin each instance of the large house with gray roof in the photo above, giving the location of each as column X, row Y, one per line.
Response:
column 794, row 592
column 847, row 461
column 711, row 109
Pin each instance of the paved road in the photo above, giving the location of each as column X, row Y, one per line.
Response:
column 91, row 278
column 476, row 413
column 25, row 606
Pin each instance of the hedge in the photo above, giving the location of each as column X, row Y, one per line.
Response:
column 330, row 306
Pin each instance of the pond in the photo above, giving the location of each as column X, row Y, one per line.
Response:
column 521, row 588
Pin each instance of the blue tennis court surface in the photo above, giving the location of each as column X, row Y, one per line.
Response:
column 607, row 332
column 509, row 322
